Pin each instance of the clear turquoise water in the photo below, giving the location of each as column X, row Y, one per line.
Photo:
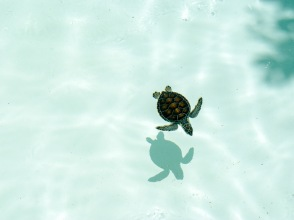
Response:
column 76, row 84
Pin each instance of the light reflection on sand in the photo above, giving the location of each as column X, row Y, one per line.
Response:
column 76, row 107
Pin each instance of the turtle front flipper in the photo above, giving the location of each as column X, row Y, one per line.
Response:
column 171, row 127
column 197, row 108
column 187, row 127
column 156, row 95
column 189, row 156
column 159, row 176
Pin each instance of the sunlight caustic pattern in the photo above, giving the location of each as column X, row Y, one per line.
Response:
column 76, row 107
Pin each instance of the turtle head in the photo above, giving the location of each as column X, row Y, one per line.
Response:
column 156, row 95
column 160, row 136
column 168, row 89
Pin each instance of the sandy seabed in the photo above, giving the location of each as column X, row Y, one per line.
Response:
column 76, row 84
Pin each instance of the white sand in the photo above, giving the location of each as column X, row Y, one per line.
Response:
column 76, row 84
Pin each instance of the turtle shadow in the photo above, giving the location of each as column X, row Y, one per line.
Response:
column 168, row 156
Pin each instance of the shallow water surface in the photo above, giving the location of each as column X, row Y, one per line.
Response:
column 76, row 85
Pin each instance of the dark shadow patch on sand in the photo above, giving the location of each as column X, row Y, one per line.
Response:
column 168, row 156
column 279, row 64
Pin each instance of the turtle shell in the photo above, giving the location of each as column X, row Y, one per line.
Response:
column 173, row 107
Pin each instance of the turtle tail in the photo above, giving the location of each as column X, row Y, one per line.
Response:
column 189, row 156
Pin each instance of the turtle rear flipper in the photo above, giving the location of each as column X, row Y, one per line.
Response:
column 159, row 176
column 187, row 127
column 178, row 172
column 197, row 108
column 189, row 156
column 171, row 127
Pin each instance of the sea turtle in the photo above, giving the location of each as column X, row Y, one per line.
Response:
column 168, row 156
column 175, row 108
